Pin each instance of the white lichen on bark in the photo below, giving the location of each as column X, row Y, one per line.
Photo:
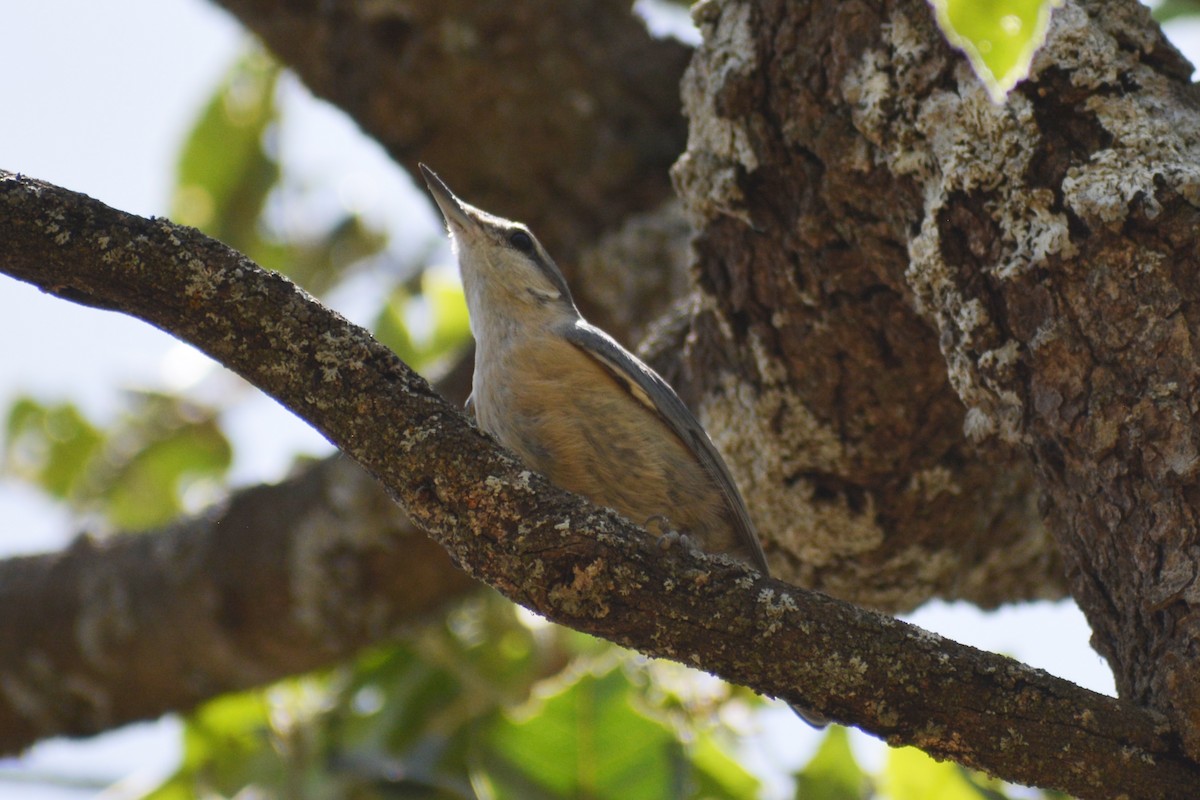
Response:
column 960, row 143
column 718, row 147
column 768, row 432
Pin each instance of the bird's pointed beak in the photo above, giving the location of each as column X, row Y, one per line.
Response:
column 457, row 213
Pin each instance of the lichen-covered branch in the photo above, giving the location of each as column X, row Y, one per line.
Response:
column 574, row 563
column 1041, row 254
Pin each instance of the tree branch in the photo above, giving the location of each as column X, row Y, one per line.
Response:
column 576, row 564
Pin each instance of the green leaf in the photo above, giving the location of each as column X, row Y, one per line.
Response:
column 136, row 473
column 449, row 327
column 416, row 704
column 224, row 173
column 1170, row 9
column 717, row 774
column 451, row 322
column 227, row 745
column 999, row 37
column 177, row 787
column 391, row 326
column 588, row 740
column 317, row 264
column 50, row 445
column 147, row 489
column 413, row 695
column 833, row 773
column 912, row 775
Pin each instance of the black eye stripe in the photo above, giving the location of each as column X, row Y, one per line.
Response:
column 521, row 240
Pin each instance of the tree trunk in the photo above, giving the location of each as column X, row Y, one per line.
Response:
column 928, row 292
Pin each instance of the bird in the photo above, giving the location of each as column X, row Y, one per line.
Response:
column 578, row 407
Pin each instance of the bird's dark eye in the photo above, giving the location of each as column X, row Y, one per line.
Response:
column 521, row 240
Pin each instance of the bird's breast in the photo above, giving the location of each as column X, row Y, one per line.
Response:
column 565, row 416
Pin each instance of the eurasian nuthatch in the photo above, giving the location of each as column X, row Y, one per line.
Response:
column 575, row 405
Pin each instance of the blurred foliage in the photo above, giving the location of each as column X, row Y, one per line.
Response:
column 912, row 775
column 484, row 703
column 489, row 703
column 587, row 739
column 1170, row 9
column 136, row 474
column 999, row 37
column 833, row 774
column 437, row 303
column 224, row 172
column 228, row 172
column 165, row 455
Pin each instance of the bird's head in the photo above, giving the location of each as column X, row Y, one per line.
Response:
column 507, row 275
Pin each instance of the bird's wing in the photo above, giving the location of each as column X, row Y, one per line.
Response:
column 645, row 385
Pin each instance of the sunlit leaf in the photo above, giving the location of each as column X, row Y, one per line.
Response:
column 137, row 472
column 227, row 172
column 391, row 326
column 226, row 746
column 556, row 748
column 224, row 172
column 233, row 722
column 716, row 774
column 177, row 787
column 1170, row 9
column 414, row 706
column 588, row 740
column 451, row 323
column 999, row 37
column 912, row 775
column 833, row 773
column 147, row 490
column 441, row 308
column 50, row 445
column 317, row 263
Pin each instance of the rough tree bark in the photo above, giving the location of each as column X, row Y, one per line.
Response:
column 863, row 206
column 553, row 552
column 832, row 392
